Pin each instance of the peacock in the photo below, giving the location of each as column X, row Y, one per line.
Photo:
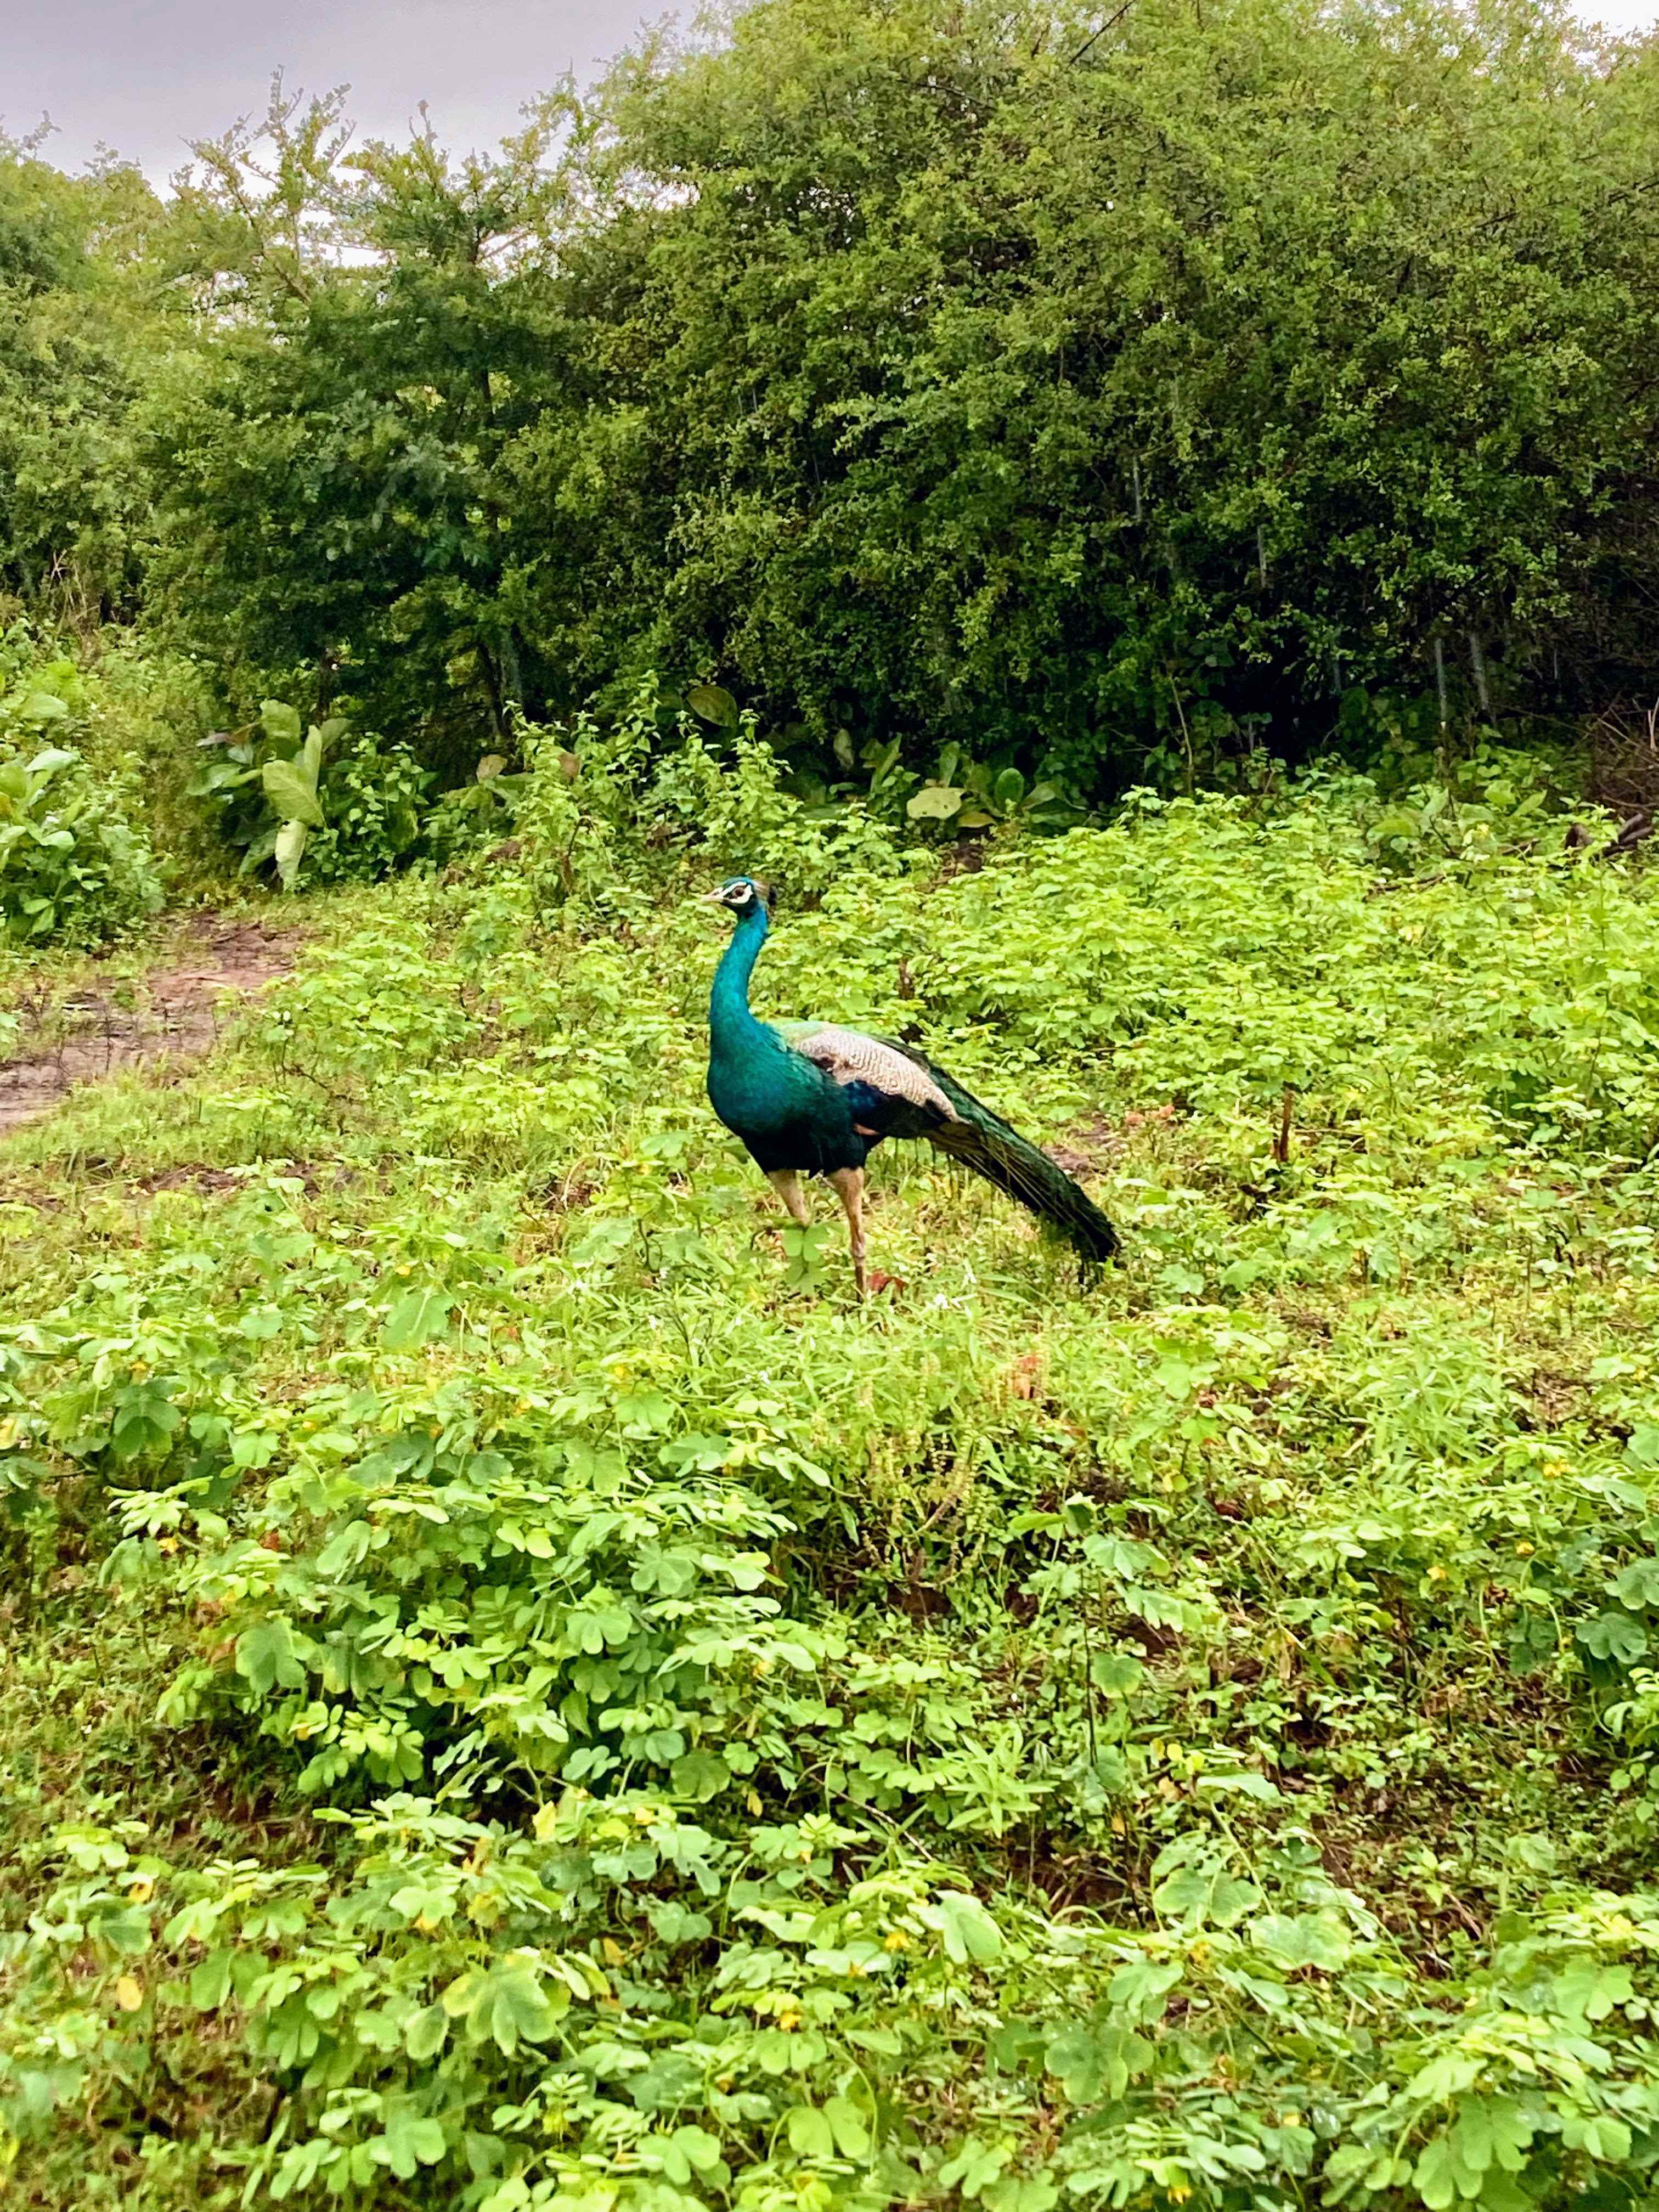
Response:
column 810, row 1099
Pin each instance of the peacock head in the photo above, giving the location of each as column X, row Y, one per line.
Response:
column 742, row 894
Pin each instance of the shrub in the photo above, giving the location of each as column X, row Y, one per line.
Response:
column 72, row 867
column 327, row 802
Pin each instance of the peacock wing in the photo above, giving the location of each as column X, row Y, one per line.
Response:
column 893, row 1092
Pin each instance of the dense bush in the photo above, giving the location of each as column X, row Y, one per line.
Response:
column 82, row 335
column 1108, row 401
column 73, row 865
column 326, row 803
column 1116, row 397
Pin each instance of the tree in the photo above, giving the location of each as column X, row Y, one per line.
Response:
column 1102, row 390
column 84, row 320
column 330, row 507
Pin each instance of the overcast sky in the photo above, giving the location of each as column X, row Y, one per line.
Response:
column 145, row 75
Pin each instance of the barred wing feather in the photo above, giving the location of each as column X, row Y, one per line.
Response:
column 849, row 1057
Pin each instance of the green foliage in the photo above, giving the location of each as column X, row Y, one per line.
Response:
column 638, row 793
column 72, row 868
column 1105, row 400
column 1095, row 397
column 337, row 804
column 83, row 332
column 521, row 1692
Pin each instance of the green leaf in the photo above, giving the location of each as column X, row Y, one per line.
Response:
column 711, row 703
column 265, row 1657
column 1141, row 1989
column 699, row 2150
column 970, row 1933
column 1116, row 1673
column 423, row 2037
column 934, row 802
column 408, row 2143
column 1614, row 1636
column 279, row 722
column 1638, row 1585
column 41, row 706
column 289, row 851
column 1021, row 2192
column 1435, row 2174
column 1008, row 789
column 810, row 2133
column 1591, row 1988
column 416, row 1319
column 1491, row 2130
column 1303, row 1938
column 292, row 793
column 519, row 2009
column 259, row 851
column 1205, row 1895
column 974, row 2166
column 1603, row 2136
column 1092, row 2062
column 1244, row 1783
column 126, row 1930
column 847, row 2123
column 210, row 1981
column 347, row 1548
column 700, row 1775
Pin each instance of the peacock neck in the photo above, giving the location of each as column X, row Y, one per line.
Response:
column 731, row 1024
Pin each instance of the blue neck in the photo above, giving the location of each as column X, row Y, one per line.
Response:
column 729, row 1018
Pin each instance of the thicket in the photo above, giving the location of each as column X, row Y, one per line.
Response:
column 1111, row 398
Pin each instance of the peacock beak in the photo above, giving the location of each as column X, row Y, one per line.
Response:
column 712, row 898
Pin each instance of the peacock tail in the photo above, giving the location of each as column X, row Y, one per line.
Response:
column 983, row 1142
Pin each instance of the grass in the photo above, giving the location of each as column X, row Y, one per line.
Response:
column 521, row 1690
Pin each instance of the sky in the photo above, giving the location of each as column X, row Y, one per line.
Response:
column 145, row 76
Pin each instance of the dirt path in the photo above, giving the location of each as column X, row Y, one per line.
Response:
column 179, row 1017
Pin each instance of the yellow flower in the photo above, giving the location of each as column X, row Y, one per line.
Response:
column 895, row 1940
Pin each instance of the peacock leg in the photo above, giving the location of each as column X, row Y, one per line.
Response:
column 787, row 1183
column 847, row 1184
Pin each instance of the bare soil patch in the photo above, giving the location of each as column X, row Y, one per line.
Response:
column 180, row 1015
